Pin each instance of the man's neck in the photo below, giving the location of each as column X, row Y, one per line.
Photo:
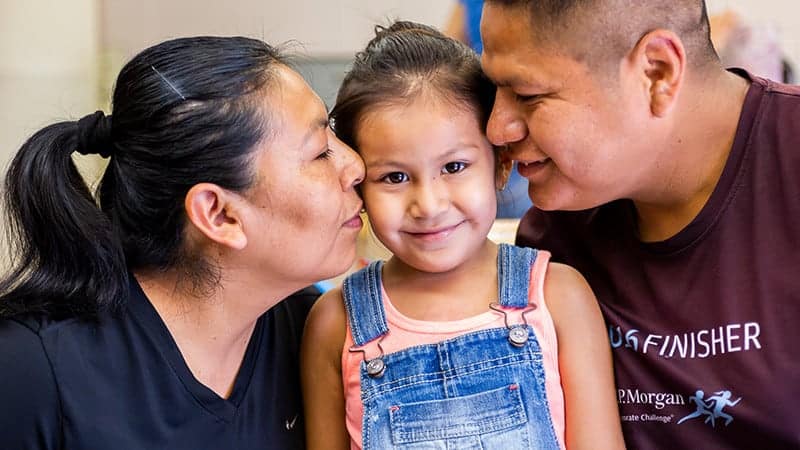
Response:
column 693, row 165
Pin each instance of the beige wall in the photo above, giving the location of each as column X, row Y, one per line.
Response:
column 48, row 65
column 336, row 27
column 323, row 27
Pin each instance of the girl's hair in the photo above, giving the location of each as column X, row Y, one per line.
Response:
column 185, row 111
column 403, row 61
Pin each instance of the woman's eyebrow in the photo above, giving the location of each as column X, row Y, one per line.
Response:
column 319, row 123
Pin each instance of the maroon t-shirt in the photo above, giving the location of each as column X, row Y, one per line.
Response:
column 705, row 326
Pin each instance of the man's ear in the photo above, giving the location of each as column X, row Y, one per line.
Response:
column 213, row 212
column 659, row 60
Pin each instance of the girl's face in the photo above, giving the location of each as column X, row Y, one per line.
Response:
column 304, row 210
column 429, row 189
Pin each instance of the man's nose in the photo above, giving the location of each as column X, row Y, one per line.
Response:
column 506, row 124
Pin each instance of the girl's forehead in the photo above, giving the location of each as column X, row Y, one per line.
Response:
column 419, row 129
column 430, row 104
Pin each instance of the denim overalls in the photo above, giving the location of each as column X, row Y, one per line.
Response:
column 482, row 390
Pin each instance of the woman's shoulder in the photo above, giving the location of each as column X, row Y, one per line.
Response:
column 21, row 331
column 28, row 388
column 28, row 342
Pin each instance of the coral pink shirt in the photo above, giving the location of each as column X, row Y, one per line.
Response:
column 405, row 332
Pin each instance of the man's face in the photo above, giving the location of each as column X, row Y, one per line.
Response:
column 579, row 136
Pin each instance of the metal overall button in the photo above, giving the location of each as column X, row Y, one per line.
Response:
column 375, row 366
column 518, row 335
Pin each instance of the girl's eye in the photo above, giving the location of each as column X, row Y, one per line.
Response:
column 454, row 167
column 395, row 178
column 326, row 154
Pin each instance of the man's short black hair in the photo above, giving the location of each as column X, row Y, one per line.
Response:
column 595, row 31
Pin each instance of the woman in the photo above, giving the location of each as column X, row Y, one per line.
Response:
column 153, row 320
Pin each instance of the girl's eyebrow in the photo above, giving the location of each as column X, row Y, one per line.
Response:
column 444, row 156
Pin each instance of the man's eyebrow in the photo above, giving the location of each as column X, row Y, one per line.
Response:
column 502, row 82
column 524, row 85
column 514, row 80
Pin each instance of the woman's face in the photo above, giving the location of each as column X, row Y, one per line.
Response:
column 303, row 218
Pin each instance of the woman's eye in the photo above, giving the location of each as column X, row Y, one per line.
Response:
column 454, row 167
column 326, row 154
column 395, row 178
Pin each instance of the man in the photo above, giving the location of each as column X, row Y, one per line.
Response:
column 671, row 183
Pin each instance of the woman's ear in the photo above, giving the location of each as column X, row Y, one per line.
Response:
column 659, row 62
column 213, row 212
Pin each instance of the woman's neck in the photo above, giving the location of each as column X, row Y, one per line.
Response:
column 213, row 332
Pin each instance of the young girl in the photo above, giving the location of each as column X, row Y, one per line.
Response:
column 454, row 342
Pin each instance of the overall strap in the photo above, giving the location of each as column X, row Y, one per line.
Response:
column 514, row 274
column 364, row 304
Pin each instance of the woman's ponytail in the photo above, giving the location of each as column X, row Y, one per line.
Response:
column 66, row 259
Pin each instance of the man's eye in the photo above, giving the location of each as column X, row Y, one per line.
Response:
column 395, row 178
column 454, row 167
column 527, row 98
column 326, row 154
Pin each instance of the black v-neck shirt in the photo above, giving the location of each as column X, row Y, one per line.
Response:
column 121, row 383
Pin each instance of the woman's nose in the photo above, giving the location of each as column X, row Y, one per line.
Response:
column 352, row 170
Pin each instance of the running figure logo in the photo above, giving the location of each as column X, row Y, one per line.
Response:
column 711, row 407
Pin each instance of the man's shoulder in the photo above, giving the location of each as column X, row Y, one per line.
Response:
column 775, row 102
column 774, row 109
column 790, row 90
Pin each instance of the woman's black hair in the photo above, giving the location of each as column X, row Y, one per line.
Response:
column 399, row 63
column 185, row 111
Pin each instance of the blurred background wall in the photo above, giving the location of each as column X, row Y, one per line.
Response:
column 49, row 55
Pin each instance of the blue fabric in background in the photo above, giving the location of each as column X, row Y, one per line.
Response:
column 472, row 23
